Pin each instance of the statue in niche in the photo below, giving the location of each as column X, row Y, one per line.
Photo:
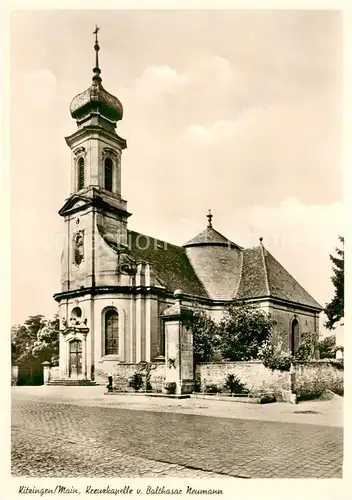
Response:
column 78, row 248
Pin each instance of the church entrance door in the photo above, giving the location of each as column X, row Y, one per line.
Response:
column 75, row 359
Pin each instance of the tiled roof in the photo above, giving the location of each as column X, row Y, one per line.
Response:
column 210, row 237
column 256, row 271
column 263, row 275
column 169, row 263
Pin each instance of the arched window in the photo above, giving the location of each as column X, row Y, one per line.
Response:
column 294, row 336
column 108, row 169
column 111, row 332
column 80, row 174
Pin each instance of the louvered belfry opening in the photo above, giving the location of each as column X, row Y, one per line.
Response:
column 108, row 168
column 111, row 332
column 80, row 174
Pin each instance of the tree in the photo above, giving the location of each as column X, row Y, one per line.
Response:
column 46, row 345
column 308, row 347
column 35, row 341
column 243, row 330
column 334, row 310
column 327, row 347
column 23, row 338
column 205, row 336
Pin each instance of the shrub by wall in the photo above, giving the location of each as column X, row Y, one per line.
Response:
column 313, row 378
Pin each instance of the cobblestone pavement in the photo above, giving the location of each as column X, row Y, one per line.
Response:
column 65, row 440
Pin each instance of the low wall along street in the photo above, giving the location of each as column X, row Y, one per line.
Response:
column 123, row 372
column 312, row 378
column 252, row 374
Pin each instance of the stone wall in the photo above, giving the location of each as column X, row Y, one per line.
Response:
column 252, row 374
column 123, row 372
column 312, row 378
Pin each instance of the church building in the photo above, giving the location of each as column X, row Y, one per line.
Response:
column 116, row 283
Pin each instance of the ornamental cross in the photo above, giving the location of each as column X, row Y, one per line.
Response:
column 95, row 32
column 210, row 216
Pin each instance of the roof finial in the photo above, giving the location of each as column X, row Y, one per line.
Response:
column 96, row 70
column 210, row 216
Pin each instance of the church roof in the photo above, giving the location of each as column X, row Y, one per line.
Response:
column 210, row 237
column 169, row 262
column 263, row 276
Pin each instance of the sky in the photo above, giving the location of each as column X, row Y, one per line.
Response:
column 237, row 111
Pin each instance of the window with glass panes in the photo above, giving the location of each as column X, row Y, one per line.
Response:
column 111, row 332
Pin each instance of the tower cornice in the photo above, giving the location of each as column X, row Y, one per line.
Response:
column 90, row 131
column 94, row 198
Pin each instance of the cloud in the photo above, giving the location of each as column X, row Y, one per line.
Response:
column 40, row 86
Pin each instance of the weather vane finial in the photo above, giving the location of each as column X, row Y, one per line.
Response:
column 210, row 216
column 96, row 70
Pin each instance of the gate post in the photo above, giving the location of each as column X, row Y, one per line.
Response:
column 46, row 372
column 178, row 346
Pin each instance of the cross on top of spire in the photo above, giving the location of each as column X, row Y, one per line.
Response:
column 96, row 70
column 209, row 216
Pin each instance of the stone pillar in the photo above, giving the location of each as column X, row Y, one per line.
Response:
column 178, row 347
column 14, row 375
column 46, row 372
column 292, row 375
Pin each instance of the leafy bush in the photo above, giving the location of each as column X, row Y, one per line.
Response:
column 205, row 335
column 243, row 329
column 308, row 347
column 267, row 398
column 170, row 387
column 327, row 347
column 212, row 389
column 274, row 358
column 136, row 381
column 308, row 387
column 234, row 385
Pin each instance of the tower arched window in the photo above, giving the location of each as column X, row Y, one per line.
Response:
column 108, row 174
column 80, row 174
column 111, row 324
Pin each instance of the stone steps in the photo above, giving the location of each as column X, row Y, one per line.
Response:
column 71, row 382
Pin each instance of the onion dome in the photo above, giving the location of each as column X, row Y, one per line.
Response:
column 96, row 98
column 210, row 237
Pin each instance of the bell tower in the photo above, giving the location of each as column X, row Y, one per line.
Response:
column 95, row 189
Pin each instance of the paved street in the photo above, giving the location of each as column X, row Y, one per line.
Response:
column 55, row 437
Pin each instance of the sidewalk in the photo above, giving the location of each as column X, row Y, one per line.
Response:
column 316, row 412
